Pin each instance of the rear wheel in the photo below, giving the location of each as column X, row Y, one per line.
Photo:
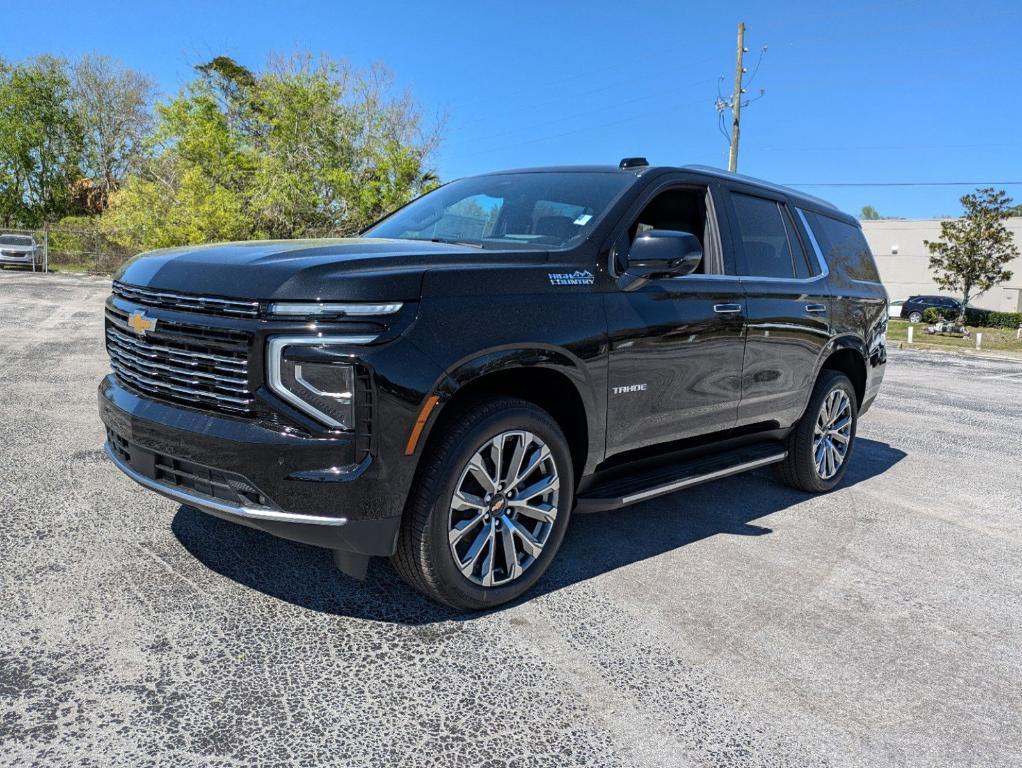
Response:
column 820, row 445
column 489, row 508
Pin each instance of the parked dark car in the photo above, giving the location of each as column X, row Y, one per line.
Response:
column 914, row 306
column 510, row 349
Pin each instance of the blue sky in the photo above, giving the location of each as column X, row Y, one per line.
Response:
column 861, row 92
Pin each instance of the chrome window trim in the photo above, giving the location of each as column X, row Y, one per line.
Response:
column 209, row 504
column 275, row 347
column 825, row 269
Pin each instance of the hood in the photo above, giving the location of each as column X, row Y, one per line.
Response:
column 350, row 269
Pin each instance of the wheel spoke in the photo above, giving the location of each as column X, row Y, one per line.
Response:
column 530, row 544
column 482, row 474
column 486, row 571
column 542, row 486
column 544, row 513
column 507, row 539
column 839, row 437
column 497, row 456
column 464, row 501
column 476, row 550
column 459, row 531
column 535, row 460
column 523, row 443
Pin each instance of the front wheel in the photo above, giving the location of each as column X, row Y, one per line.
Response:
column 820, row 445
column 915, row 317
column 489, row 508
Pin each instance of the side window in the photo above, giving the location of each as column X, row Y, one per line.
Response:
column 765, row 237
column 844, row 247
column 679, row 210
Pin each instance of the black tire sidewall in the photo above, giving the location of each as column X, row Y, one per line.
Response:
column 527, row 418
column 804, row 455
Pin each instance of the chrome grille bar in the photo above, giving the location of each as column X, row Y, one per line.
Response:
column 189, row 378
column 187, row 302
column 144, row 382
column 207, row 378
column 178, row 352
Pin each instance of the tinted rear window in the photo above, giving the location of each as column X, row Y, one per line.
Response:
column 765, row 239
column 844, row 247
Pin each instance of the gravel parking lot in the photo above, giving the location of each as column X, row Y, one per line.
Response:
column 740, row 623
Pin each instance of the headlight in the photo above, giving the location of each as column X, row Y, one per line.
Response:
column 324, row 390
column 317, row 309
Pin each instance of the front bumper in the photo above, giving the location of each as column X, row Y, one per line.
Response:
column 290, row 485
column 26, row 258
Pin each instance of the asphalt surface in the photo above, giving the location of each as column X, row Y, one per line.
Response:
column 737, row 624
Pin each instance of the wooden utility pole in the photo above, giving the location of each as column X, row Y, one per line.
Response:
column 736, row 100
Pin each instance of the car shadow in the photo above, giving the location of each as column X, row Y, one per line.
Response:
column 595, row 544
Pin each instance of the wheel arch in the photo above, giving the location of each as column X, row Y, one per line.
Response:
column 847, row 354
column 547, row 377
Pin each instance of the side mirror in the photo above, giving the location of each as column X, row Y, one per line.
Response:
column 658, row 253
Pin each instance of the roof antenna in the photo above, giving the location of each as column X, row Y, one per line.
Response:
column 633, row 162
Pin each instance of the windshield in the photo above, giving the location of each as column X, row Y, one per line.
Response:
column 15, row 240
column 538, row 210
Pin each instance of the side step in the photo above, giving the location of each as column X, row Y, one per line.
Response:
column 650, row 483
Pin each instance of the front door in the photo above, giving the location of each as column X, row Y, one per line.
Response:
column 676, row 344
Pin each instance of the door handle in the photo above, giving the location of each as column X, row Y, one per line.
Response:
column 726, row 309
column 816, row 307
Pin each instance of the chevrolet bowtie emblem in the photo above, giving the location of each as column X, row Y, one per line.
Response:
column 140, row 323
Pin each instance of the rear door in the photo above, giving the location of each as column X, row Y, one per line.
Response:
column 787, row 307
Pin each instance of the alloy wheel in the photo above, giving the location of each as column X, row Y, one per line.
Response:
column 832, row 433
column 503, row 508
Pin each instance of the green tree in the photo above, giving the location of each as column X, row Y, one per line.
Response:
column 40, row 141
column 869, row 213
column 972, row 252
column 307, row 147
column 113, row 105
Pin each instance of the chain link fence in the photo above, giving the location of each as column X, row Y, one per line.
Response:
column 59, row 248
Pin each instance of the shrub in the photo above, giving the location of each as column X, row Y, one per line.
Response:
column 932, row 315
column 1005, row 319
column 990, row 319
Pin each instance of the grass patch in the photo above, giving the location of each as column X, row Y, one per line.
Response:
column 1001, row 339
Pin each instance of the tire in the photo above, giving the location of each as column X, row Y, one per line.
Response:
column 801, row 469
column 462, row 454
column 915, row 317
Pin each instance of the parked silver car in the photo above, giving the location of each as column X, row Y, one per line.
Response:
column 18, row 249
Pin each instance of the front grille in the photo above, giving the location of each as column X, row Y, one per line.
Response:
column 186, row 302
column 180, row 364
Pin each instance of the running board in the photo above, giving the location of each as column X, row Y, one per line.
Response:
column 631, row 489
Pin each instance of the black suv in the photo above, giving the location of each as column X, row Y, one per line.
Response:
column 914, row 306
column 503, row 352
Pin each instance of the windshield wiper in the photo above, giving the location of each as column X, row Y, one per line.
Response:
column 450, row 241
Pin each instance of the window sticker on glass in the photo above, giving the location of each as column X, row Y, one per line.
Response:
column 583, row 219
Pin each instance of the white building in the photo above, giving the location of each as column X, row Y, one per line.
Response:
column 904, row 262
